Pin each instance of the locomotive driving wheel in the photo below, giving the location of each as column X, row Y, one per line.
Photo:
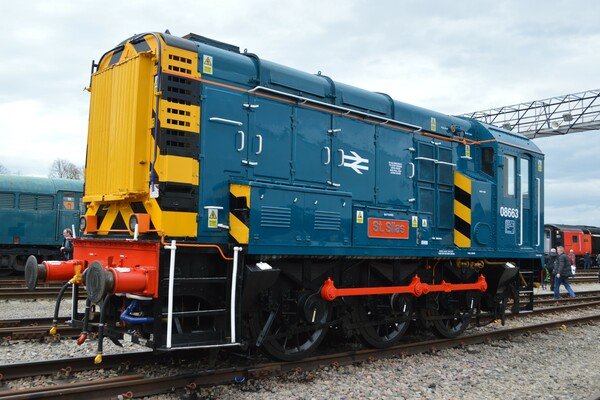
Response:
column 451, row 314
column 292, row 326
column 383, row 320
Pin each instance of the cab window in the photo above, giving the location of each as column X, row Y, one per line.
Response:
column 508, row 179
column 487, row 160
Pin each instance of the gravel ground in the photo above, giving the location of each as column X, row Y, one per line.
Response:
column 557, row 365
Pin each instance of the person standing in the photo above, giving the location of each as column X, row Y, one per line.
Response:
column 67, row 246
column 572, row 257
column 549, row 269
column 562, row 271
column 587, row 261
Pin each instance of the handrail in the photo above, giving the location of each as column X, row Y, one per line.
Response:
column 539, row 210
column 200, row 245
column 336, row 107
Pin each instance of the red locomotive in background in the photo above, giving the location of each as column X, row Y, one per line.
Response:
column 579, row 238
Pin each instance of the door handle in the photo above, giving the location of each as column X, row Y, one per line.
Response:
column 242, row 141
column 328, row 152
column 260, row 144
column 342, row 155
column 412, row 175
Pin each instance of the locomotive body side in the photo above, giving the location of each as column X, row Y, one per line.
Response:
column 33, row 213
column 267, row 204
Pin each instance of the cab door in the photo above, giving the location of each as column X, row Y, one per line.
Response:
column 526, row 196
column 68, row 212
column 509, row 202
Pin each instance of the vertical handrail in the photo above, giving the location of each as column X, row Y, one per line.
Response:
column 539, row 210
column 236, row 250
column 173, row 248
column 521, row 219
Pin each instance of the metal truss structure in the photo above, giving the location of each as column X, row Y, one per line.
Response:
column 560, row 115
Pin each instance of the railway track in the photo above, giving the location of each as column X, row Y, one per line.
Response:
column 20, row 283
column 21, row 293
column 132, row 384
column 136, row 385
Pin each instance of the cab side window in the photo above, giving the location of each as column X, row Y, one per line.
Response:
column 487, row 161
column 508, row 179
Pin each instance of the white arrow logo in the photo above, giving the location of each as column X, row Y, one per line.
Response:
column 355, row 162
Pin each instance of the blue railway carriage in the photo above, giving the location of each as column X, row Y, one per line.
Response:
column 269, row 205
column 33, row 213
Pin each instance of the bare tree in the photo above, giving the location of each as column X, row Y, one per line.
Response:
column 4, row 170
column 62, row 168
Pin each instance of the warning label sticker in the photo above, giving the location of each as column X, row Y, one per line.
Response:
column 395, row 168
column 415, row 221
column 213, row 218
column 433, row 124
column 207, row 65
column 360, row 217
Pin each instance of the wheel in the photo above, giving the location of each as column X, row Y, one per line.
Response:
column 293, row 327
column 383, row 320
column 456, row 317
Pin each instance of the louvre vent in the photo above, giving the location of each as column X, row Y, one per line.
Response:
column 7, row 200
column 45, row 203
column 27, row 202
column 327, row 221
column 275, row 217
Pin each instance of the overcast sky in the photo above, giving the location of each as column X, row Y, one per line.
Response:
column 449, row 56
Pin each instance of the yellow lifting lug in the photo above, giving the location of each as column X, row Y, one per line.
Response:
column 98, row 358
column 76, row 279
column 53, row 330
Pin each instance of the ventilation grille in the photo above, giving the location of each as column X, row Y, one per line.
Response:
column 327, row 221
column 275, row 217
column 45, row 203
column 180, row 90
column 7, row 200
column 27, row 202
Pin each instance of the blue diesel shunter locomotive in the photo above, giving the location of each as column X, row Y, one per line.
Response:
column 267, row 205
column 33, row 214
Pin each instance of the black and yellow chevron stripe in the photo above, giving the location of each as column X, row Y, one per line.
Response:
column 239, row 213
column 462, row 210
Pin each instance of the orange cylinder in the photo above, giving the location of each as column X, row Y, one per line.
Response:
column 130, row 280
column 60, row 271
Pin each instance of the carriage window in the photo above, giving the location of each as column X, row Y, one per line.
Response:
column 525, row 177
column 575, row 239
column 487, row 160
column 509, row 176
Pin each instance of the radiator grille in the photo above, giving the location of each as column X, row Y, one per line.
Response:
column 275, row 217
column 7, row 200
column 327, row 221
